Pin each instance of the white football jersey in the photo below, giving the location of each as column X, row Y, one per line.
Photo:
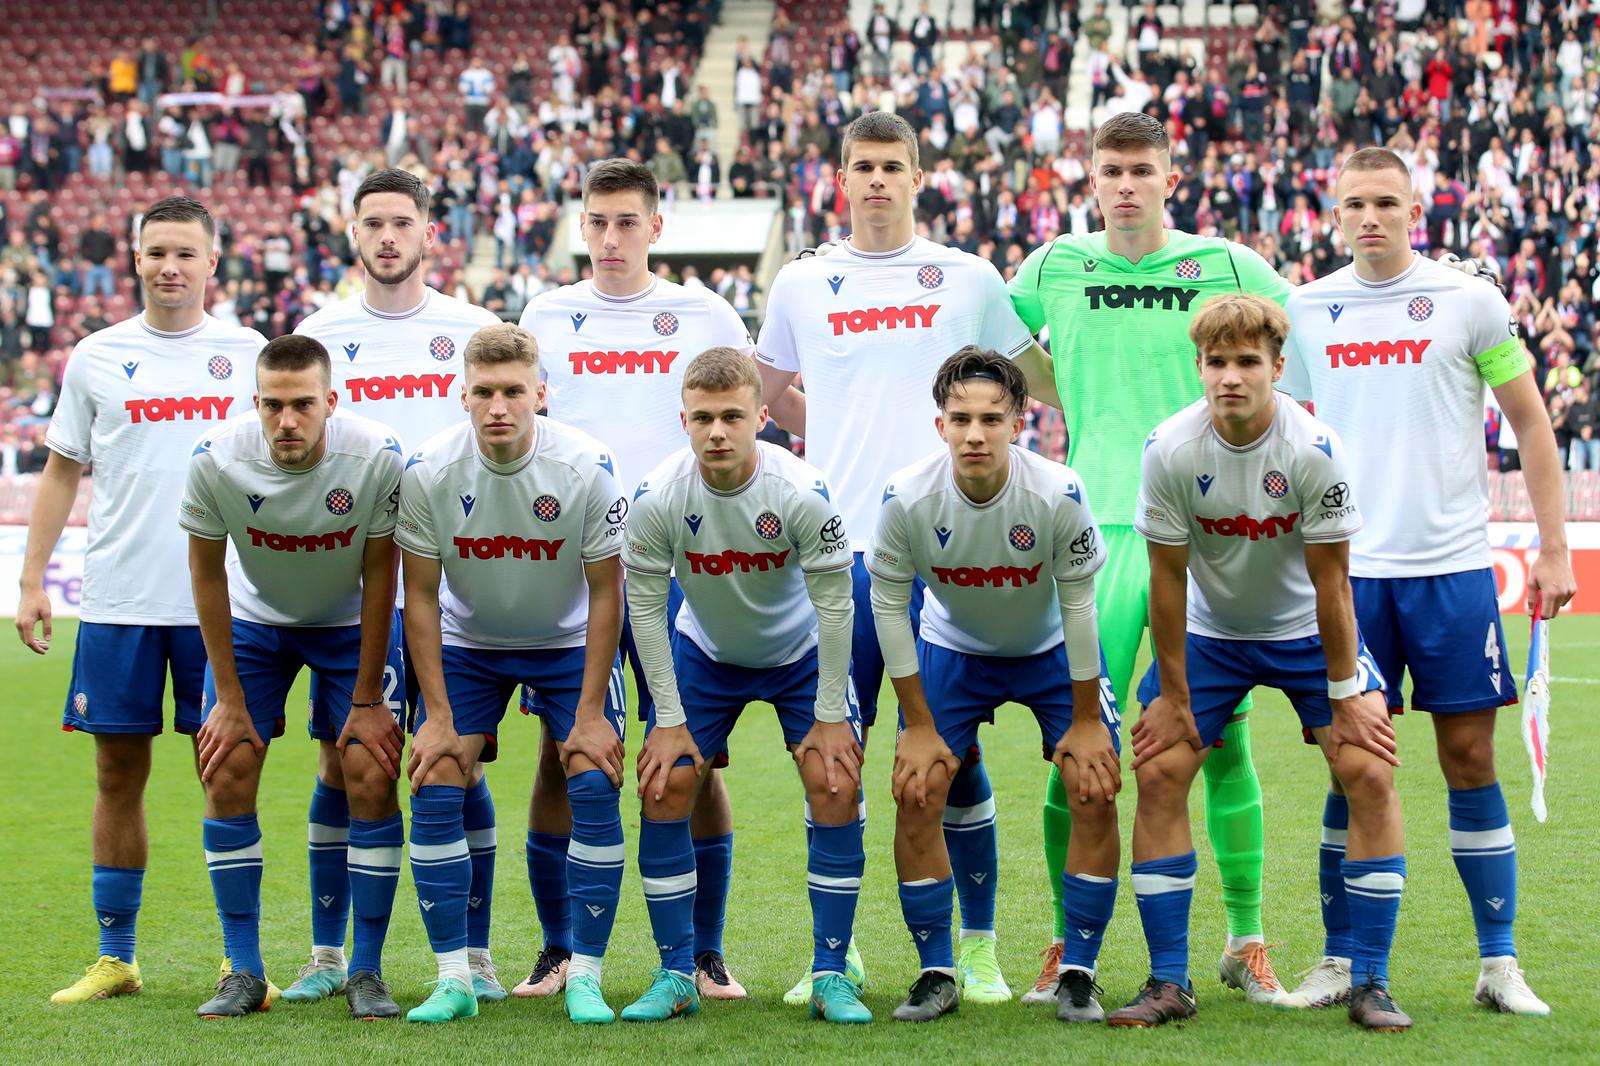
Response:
column 1246, row 515
column 513, row 543
column 741, row 557
column 614, row 365
column 298, row 536
column 990, row 569
column 1398, row 370
column 132, row 401
column 867, row 332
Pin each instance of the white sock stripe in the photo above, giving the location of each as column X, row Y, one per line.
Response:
column 242, row 855
column 671, row 886
column 482, row 839
column 1380, row 881
column 240, row 865
column 973, row 816
column 385, row 858
column 1490, row 840
column 1157, row 884
column 597, row 854
column 433, row 853
column 920, row 882
column 1335, row 838
column 317, row 833
column 826, row 883
column 1095, row 879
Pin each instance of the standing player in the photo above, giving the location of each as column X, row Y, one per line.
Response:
column 1395, row 351
column 764, row 562
column 131, row 401
column 1250, row 497
column 522, row 519
column 614, row 352
column 969, row 520
column 307, row 499
column 1118, row 306
column 396, row 350
column 866, row 327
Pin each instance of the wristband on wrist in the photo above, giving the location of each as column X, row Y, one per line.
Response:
column 374, row 703
column 1343, row 690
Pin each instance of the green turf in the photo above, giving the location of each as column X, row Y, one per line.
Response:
column 47, row 933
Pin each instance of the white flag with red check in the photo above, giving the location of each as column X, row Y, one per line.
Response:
column 1536, row 711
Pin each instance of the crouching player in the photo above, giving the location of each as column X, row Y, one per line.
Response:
column 308, row 498
column 1248, row 493
column 761, row 554
column 1007, row 547
column 521, row 517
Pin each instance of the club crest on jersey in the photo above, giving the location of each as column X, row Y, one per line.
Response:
column 768, row 526
column 340, row 502
column 220, row 367
column 578, row 319
column 834, row 283
column 1021, row 538
column 943, row 533
column 1275, row 484
column 930, row 277
column 1420, row 309
column 466, row 505
column 351, row 349
column 547, row 508
column 1204, row 481
column 1188, row 269
column 665, row 324
column 129, row 367
column 1335, row 310
column 441, row 348
column 255, row 501
column 693, row 522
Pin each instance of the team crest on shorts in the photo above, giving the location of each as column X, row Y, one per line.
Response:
column 80, row 704
column 340, row 501
column 1420, row 309
column 768, row 526
column 665, row 324
column 1275, row 484
column 930, row 277
column 1022, row 538
column 441, row 348
column 1188, row 269
column 547, row 508
column 221, row 367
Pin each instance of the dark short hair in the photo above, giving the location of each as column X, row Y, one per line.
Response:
column 1131, row 129
column 293, row 352
column 973, row 362
column 396, row 180
column 180, row 209
column 623, row 175
column 879, row 127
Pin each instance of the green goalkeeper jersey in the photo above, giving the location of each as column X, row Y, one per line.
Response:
column 1119, row 338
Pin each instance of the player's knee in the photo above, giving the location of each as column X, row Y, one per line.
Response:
column 827, row 807
column 1364, row 774
column 1466, row 751
column 1164, row 780
column 365, row 781
column 677, row 797
column 232, row 788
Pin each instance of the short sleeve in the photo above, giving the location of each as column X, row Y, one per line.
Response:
column 816, row 529
column 1328, row 511
column 414, row 523
column 1079, row 549
column 646, row 546
column 72, row 425
column 605, row 512
column 889, row 552
column 777, row 346
column 1024, row 289
column 198, row 513
column 1256, row 275
column 726, row 325
column 385, row 472
column 1003, row 330
column 1159, row 514
column 1493, row 337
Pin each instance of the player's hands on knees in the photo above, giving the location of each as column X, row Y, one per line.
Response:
column 1165, row 722
column 32, row 609
column 594, row 739
column 662, row 749
column 1099, row 769
column 375, row 729
column 917, row 750
column 436, row 739
column 837, row 745
column 226, row 727
column 1363, row 721
column 1551, row 586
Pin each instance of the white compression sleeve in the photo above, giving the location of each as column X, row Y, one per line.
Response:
column 891, row 614
column 831, row 596
column 647, row 616
column 1080, row 627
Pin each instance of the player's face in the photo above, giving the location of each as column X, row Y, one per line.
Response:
column 619, row 232
column 391, row 236
column 502, row 399
column 722, row 428
column 174, row 260
column 1376, row 213
column 294, row 406
column 1238, row 382
column 880, row 183
column 979, row 424
column 1132, row 186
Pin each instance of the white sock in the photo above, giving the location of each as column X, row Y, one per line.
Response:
column 329, row 956
column 1058, row 940
column 1064, row 968
column 584, row 966
column 947, row 971
column 986, row 933
column 453, row 965
column 1237, row 944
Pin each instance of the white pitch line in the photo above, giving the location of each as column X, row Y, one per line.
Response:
column 1577, row 680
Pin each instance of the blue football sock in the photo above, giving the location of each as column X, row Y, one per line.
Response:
column 1087, row 901
column 547, row 877
column 328, row 832
column 1486, row 858
column 667, row 866
column 375, row 846
column 440, row 865
column 974, row 846
column 713, row 863
column 233, row 856
column 1374, row 887
column 834, row 864
column 117, row 892
column 594, row 861
column 1340, row 941
column 926, row 906
column 477, row 815
column 1163, row 889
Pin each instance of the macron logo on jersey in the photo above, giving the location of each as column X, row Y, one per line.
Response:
column 834, row 283
column 1117, row 297
column 693, row 522
column 255, row 501
column 395, row 386
column 498, row 547
column 1365, row 353
column 351, row 349
column 980, row 577
column 943, row 534
column 298, row 542
column 466, row 505
column 628, row 362
column 1245, row 526
column 172, row 408
column 1204, row 481
column 129, row 367
column 875, row 318
column 720, row 564
column 578, row 319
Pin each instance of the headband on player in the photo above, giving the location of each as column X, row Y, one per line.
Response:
column 984, row 374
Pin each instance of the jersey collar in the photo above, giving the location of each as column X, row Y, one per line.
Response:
column 635, row 298
column 878, row 257
column 1005, row 490
column 760, row 461
column 516, row 466
column 395, row 316
column 1416, row 261
column 145, row 325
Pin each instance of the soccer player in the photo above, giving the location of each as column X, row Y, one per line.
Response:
column 307, row 500
column 1247, row 506
column 1118, row 304
column 614, row 352
column 132, row 399
column 521, row 517
column 1007, row 548
column 764, row 562
column 1395, row 351
column 866, row 327
column 396, row 350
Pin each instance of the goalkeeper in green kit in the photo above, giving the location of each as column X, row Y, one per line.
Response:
column 1118, row 305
